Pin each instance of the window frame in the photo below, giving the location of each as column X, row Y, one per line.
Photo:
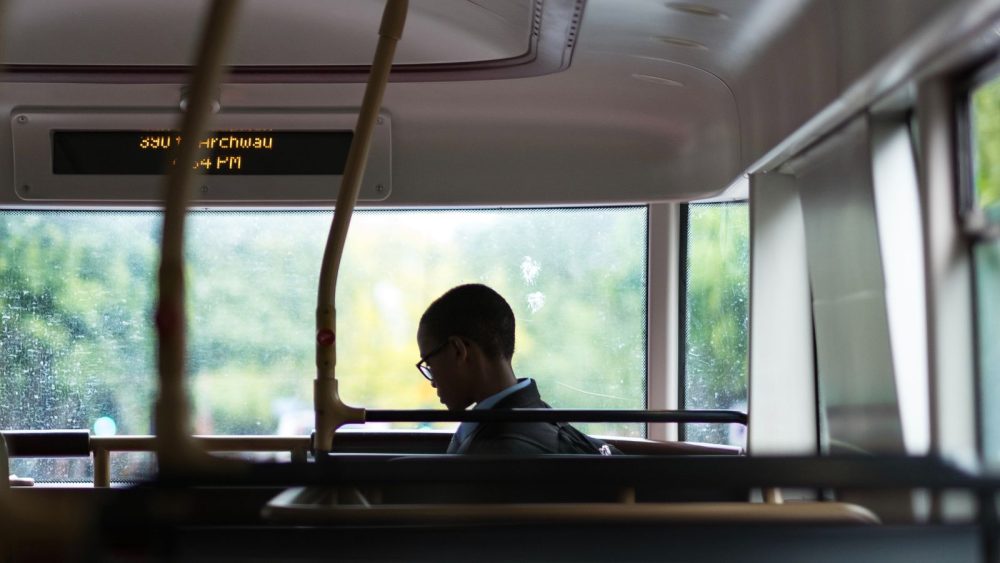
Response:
column 684, row 224
column 975, row 224
column 977, row 229
column 682, row 312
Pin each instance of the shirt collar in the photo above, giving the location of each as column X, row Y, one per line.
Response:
column 492, row 400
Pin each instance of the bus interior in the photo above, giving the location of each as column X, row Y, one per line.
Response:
column 754, row 245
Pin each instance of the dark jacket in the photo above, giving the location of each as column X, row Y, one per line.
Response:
column 526, row 438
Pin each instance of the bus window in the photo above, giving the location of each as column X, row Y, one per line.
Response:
column 983, row 208
column 76, row 288
column 715, row 320
column 987, row 265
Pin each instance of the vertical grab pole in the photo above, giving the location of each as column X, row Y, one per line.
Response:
column 174, row 446
column 331, row 412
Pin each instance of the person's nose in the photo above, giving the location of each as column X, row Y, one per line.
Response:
column 433, row 384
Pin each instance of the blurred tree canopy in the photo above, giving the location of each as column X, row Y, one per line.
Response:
column 717, row 313
column 78, row 287
column 74, row 301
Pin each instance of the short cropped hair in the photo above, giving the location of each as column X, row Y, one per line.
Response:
column 476, row 312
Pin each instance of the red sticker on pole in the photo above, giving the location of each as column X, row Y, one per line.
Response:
column 326, row 337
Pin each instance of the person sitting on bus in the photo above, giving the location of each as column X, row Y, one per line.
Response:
column 466, row 341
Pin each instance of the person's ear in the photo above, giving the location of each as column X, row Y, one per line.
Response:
column 461, row 348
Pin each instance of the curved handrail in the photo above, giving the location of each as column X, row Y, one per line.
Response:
column 331, row 412
column 174, row 445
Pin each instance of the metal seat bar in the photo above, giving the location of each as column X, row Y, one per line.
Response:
column 557, row 415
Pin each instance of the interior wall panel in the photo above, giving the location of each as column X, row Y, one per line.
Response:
column 949, row 283
column 876, row 28
column 790, row 80
column 855, row 369
column 782, row 402
column 830, row 59
column 900, row 232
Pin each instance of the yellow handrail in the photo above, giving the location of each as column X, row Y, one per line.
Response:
column 331, row 412
column 175, row 448
column 325, row 506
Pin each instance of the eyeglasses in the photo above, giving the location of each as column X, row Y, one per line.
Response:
column 422, row 366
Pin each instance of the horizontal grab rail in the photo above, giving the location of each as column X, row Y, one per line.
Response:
column 79, row 443
column 102, row 447
column 218, row 443
column 558, row 415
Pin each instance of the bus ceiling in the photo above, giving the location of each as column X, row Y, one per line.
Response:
column 491, row 102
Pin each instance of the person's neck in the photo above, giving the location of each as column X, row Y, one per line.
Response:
column 496, row 377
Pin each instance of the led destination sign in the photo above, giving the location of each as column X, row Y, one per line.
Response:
column 221, row 153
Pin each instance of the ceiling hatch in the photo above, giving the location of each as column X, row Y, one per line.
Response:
column 302, row 41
